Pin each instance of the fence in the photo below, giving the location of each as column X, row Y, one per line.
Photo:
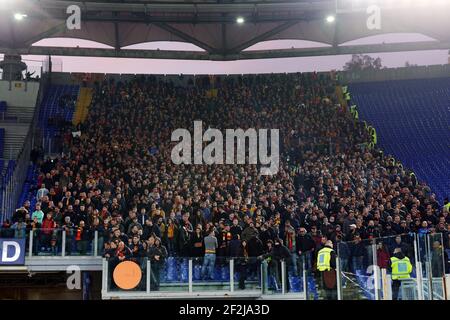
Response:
column 11, row 185
column 197, row 276
column 363, row 268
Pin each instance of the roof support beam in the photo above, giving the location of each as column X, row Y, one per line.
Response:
column 60, row 27
column 116, row 34
column 174, row 19
column 264, row 36
column 109, row 53
column 263, row 54
column 224, row 36
column 185, row 36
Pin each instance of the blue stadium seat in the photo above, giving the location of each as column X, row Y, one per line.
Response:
column 412, row 119
column 3, row 106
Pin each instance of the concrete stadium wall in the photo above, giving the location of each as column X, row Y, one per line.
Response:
column 21, row 94
column 419, row 72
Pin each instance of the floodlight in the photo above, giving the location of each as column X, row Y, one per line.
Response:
column 330, row 19
column 19, row 16
column 240, row 20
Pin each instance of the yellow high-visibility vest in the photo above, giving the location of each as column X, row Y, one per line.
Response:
column 401, row 268
column 323, row 259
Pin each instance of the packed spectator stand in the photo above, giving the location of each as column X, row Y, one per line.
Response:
column 117, row 180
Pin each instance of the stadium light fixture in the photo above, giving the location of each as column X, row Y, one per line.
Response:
column 330, row 19
column 240, row 20
column 19, row 16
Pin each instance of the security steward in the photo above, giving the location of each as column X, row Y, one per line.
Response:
column 326, row 265
column 401, row 269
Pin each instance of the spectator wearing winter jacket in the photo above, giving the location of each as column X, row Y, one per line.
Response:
column 82, row 237
column 249, row 232
column 305, row 247
column 278, row 253
column 236, row 229
column 20, row 229
column 383, row 256
column 196, row 243
column 47, row 229
column 20, row 213
column 170, row 236
column 137, row 250
column 234, row 246
column 266, row 233
column 357, row 251
column 150, row 229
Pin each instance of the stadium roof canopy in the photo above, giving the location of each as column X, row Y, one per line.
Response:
column 212, row 25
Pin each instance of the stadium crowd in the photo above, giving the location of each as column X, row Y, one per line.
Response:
column 118, row 179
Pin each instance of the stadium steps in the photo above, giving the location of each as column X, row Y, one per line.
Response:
column 14, row 138
column 355, row 289
column 49, row 109
column 82, row 106
column 23, row 113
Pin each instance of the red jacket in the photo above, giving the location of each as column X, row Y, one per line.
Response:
column 383, row 259
column 48, row 225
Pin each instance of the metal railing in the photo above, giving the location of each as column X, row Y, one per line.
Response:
column 12, row 188
column 62, row 243
column 369, row 276
column 185, row 276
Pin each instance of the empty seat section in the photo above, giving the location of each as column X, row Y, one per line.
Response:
column 412, row 119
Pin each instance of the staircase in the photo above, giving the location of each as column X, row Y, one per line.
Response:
column 15, row 134
column 23, row 114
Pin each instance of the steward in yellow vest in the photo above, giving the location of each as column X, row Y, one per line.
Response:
column 401, row 269
column 325, row 261
column 447, row 206
column 326, row 265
